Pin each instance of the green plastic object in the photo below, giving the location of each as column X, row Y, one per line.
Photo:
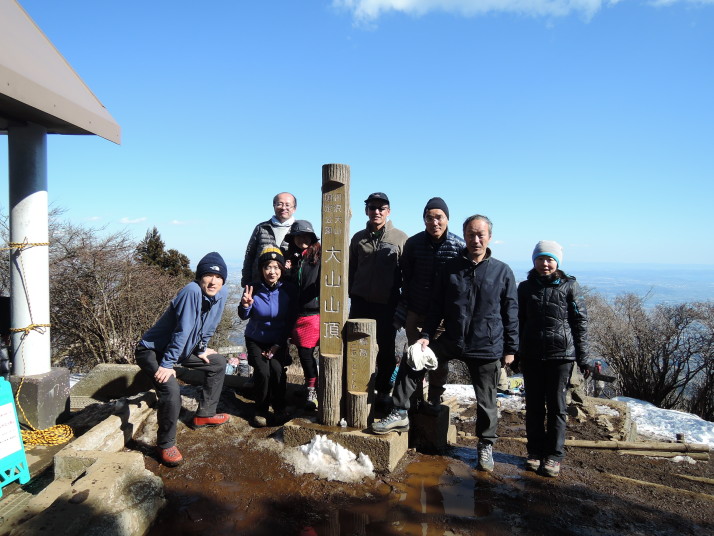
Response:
column 13, row 462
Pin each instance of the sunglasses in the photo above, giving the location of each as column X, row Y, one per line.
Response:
column 375, row 208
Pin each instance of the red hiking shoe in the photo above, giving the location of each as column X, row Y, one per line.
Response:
column 170, row 457
column 217, row 420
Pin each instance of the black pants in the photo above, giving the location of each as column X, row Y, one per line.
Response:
column 169, row 395
column 386, row 334
column 269, row 375
column 546, row 383
column 484, row 377
column 308, row 362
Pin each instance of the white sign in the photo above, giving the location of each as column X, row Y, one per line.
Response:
column 9, row 434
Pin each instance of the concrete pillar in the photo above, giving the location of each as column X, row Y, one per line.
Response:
column 29, row 272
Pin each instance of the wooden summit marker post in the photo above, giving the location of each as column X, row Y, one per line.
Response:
column 333, row 288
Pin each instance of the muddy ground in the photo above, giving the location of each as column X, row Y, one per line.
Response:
column 234, row 481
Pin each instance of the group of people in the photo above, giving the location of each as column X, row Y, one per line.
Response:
column 454, row 300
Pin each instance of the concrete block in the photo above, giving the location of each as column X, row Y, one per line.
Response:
column 107, row 382
column 44, row 398
column 115, row 431
column 116, row 496
column 430, row 433
column 385, row 451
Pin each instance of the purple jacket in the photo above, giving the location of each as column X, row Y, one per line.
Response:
column 273, row 313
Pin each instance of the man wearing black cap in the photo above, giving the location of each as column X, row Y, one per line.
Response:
column 424, row 254
column 375, row 281
column 180, row 337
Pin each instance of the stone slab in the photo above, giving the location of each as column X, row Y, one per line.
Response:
column 385, row 451
column 107, row 382
column 116, row 495
column 44, row 398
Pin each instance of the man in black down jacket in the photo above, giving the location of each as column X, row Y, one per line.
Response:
column 424, row 254
column 475, row 295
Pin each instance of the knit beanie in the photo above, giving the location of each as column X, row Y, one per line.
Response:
column 549, row 248
column 212, row 263
column 436, row 203
column 271, row 254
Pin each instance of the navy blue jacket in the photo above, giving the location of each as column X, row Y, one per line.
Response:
column 479, row 305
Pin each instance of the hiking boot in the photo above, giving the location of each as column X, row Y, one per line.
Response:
column 533, row 463
column 550, row 468
column 485, row 457
column 396, row 421
column 217, row 420
column 170, row 457
column 311, row 404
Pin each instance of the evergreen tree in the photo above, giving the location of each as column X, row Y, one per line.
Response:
column 152, row 252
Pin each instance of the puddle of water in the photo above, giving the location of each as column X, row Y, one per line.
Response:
column 436, row 495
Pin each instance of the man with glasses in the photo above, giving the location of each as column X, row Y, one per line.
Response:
column 269, row 233
column 374, row 284
column 424, row 254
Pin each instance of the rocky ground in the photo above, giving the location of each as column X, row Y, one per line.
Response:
column 235, row 481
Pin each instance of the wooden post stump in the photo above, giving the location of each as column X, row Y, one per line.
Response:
column 361, row 359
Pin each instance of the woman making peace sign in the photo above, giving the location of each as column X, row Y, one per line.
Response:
column 271, row 306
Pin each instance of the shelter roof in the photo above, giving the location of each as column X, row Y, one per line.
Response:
column 38, row 85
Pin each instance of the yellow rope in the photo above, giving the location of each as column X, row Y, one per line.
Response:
column 23, row 245
column 59, row 433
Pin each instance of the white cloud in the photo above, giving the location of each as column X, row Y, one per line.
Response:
column 370, row 10
column 178, row 222
column 94, row 218
column 132, row 220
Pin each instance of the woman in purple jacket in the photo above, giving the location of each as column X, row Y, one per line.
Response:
column 271, row 306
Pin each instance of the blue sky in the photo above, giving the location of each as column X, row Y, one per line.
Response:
column 585, row 122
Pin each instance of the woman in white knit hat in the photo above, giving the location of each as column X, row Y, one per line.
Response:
column 553, row 336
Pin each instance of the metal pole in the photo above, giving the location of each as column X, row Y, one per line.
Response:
column 29, row 253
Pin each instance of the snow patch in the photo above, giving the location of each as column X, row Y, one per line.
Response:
column 606, row 410
column 328, row 460
column 664, row 424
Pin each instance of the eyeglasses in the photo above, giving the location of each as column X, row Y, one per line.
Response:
column 282, row 205
column 375, row 208
column 435, row 219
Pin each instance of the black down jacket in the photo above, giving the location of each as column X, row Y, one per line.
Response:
column 552, row 318
column 478, row 304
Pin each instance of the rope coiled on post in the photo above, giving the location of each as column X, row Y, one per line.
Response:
column 59, row 433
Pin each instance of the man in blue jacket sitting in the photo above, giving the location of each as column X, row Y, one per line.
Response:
column 180, row 337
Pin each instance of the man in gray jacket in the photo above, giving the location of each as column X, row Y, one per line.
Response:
column 269, row 233
column 375, row 281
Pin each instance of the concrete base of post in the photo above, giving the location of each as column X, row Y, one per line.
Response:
column 385, row 451
column 431, row 434
column 44, row 398
column 106, row 382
